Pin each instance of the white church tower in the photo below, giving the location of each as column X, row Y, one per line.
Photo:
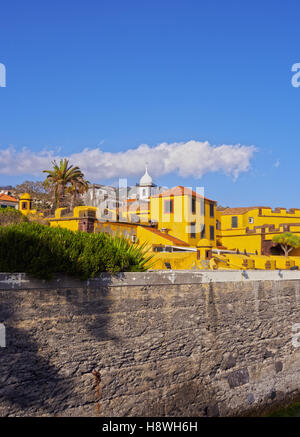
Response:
column 145, row 185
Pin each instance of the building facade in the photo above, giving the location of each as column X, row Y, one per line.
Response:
column 8, row 201
column 252, row 229
column 182, row 227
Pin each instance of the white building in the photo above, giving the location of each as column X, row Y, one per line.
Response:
column 7, row 201
column 108, row 199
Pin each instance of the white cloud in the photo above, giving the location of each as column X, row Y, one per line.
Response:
column 193, row 158
column 277, row 163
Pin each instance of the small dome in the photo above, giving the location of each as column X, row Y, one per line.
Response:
column 146, row 180
column 25, row 196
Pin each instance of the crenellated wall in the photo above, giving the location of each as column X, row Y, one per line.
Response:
column 150, row 344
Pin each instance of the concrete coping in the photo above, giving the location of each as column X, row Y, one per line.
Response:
column 21, row 281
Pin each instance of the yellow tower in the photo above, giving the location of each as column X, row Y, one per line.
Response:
column 25, row 203
column 204, row 247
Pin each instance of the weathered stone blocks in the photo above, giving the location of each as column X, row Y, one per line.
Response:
column 147, row 345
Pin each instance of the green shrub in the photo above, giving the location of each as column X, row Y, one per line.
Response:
column 42, row 251
column 9, row 216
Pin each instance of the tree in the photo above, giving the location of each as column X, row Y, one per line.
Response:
column 61, row 177
column 42, row 195
column 287, row 242
column 76, row 189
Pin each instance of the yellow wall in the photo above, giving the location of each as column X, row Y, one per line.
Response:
column 71, row 220
column 177, row 261
column 128, row 230
column 249, row 236
column 67, row 223
column 179, row 221
column 261, row 216
column 241, row 241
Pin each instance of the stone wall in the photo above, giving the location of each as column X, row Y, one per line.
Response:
column 153, row 344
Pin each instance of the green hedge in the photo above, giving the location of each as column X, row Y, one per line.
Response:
column 42, row 251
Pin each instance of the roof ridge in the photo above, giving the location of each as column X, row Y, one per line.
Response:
column 8, row 198
column 186, row 191
column 167, row 236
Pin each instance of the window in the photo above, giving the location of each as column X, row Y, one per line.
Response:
column 193, row 205
column 193, row 230
column 24, row 205
column 202, row 207
column 168, row 206
column 211, row 209
column 211, row 232
column 251, row 220
column 218, row 225
column 234, row 222
column 203, row 232
column 3, row 206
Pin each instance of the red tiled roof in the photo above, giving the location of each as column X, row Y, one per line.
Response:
column 241, row 210
column 181, row 191
column 7, row 198
column 174, row 240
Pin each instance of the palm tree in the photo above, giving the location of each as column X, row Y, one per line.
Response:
column 77, row 187
column 62, row 175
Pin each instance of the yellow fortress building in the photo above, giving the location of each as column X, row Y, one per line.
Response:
column 186, row 230
column 251, row 229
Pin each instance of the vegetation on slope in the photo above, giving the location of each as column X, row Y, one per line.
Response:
column 42, row 251
column 9, row 216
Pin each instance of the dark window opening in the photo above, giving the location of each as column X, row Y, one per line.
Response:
column 168, row 206
column 212, row 232
column 234, row 222
column 203, row 232
column 193, row 205
column 211, row 209
column 193, row 230
column 162, row 249
column 202, row 207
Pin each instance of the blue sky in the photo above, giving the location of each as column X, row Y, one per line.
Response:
column 112, row 75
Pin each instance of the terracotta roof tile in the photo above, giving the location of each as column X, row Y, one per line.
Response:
column 240, row 210
column 168, row 237
column 7, row 198
column 179, row 191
